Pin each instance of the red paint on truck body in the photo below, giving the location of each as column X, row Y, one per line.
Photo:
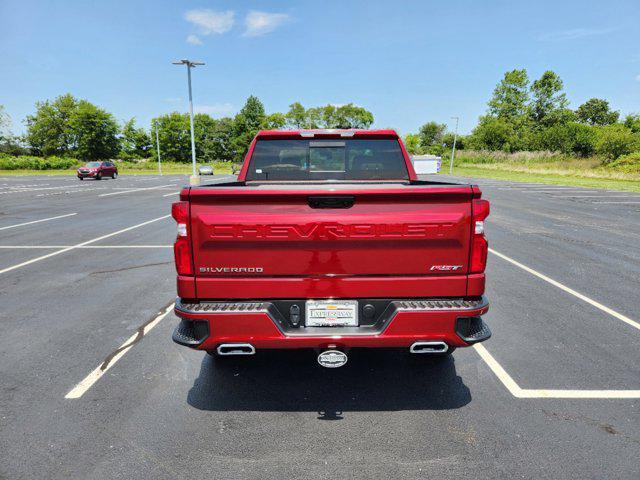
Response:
column 263, row 240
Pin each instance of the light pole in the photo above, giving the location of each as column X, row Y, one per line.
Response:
column 453, row 151
column 158, row 144
column 190, row 64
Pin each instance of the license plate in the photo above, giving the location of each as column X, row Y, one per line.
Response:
column 331, row 313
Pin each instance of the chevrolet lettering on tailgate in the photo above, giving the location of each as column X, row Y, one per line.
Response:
column 329, row 231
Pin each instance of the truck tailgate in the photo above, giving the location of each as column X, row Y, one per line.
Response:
column 294, row 231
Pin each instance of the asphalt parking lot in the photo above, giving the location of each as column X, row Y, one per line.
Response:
column 91, row 385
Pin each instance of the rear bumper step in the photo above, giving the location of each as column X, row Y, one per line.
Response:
column 472, row 329
column 455, row 322
column 190, row 333
column 430, row 304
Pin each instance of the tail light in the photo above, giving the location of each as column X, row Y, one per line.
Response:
column 182, row 247
column 479, row 245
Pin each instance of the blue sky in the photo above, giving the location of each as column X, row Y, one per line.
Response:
column 407, row 62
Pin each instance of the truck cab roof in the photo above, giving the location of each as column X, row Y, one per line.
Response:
column 328, row 132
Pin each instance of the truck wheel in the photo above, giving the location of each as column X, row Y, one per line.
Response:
column 115, row 175
column 99, row 176
column 81, row 178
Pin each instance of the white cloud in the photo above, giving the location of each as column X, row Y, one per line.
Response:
column 575, row 33
column 638, row 78
column 261, row 23
column 216, row 110
column 209, row 21
column 194, row 40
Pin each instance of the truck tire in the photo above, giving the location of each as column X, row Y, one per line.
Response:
column 98, row 176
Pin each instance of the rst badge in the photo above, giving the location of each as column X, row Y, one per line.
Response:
column 445, row 268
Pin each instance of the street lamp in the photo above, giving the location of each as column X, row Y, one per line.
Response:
column 453, row 151
column 190, row 64
column 158, row 145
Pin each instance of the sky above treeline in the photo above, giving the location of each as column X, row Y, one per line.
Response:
column 407, row 62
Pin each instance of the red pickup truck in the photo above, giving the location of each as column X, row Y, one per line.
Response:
column 329, row 241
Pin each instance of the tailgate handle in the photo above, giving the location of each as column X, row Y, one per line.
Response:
column 343, row 201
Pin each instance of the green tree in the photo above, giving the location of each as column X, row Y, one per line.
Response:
column 328, row 116
column 5, row 124
column 583, row 139
column 296, row 117
column 494, row 134
column 204, row 132
column 213, row 138
column 447, row 141
column 274, row 121
column 511, row 96
column 135, row 142
column 9, row 143
column 596, row 111
column 351, row 116
column 431, row 133
column 615, row 140
column 315, row 118
column 247, row 123
column 571, row 138
column 412, row 143
column 222, row 136
column 632, row 122
column 548, row 99
column 95, row 132
column 560, row 116
column 175, row 137
column 49, row 130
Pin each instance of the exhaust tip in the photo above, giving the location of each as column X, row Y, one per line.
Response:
column 429, row 347
column 236, row 349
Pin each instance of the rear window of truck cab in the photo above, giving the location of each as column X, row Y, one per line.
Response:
column 327, row 159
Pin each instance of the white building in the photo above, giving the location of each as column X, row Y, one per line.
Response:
column 423, row 164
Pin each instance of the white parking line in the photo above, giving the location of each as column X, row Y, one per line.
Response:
column 38, row 221
column 81, row 388
column 4, row 187
column 621, row 203
column 620, row 195
column 518, row 392
column 68, row 192
column 72, row 247
column 20, row 190
column 539, row 188
column 169, row 194
column 559, row 190
column 579, row 295
column 542, row 188
column 49, row 247
column 135, row 190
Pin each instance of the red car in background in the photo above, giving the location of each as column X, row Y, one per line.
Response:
column 98, row 170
